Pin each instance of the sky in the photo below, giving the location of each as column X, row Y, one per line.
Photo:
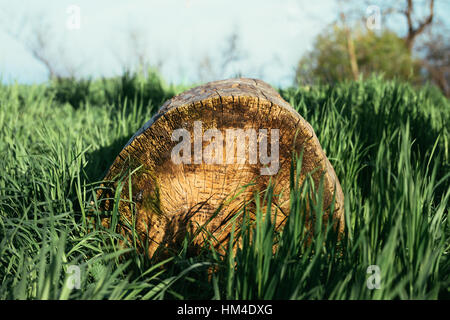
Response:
column 177, row 35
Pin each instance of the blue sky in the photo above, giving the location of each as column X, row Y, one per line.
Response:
column 273, row 34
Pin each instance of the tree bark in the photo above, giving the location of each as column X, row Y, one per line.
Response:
column 172, row 199
column 350, row 49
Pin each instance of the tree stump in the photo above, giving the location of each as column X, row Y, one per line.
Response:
column 194, row 157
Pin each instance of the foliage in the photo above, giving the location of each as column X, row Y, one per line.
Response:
column 384, row 53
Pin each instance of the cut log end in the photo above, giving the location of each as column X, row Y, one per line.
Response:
column 190, row 168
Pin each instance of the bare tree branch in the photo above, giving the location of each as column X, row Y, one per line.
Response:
column 35, row 34
column 413, row 32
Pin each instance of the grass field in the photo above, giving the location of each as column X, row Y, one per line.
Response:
column 388, row 143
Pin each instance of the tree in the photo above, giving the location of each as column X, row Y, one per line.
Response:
column 137, row 57
column 331, row 59
column 416, row 24
column 349, row 50
column 414, row 31
column 35, row 33
column 436, row 62
column 211, row 68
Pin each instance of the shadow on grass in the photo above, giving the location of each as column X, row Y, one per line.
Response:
column 99, row 160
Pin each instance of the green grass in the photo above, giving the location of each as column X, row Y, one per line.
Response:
column 387, row 141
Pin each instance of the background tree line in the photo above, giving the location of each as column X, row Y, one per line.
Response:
column 346, row 50
column 352, row 50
